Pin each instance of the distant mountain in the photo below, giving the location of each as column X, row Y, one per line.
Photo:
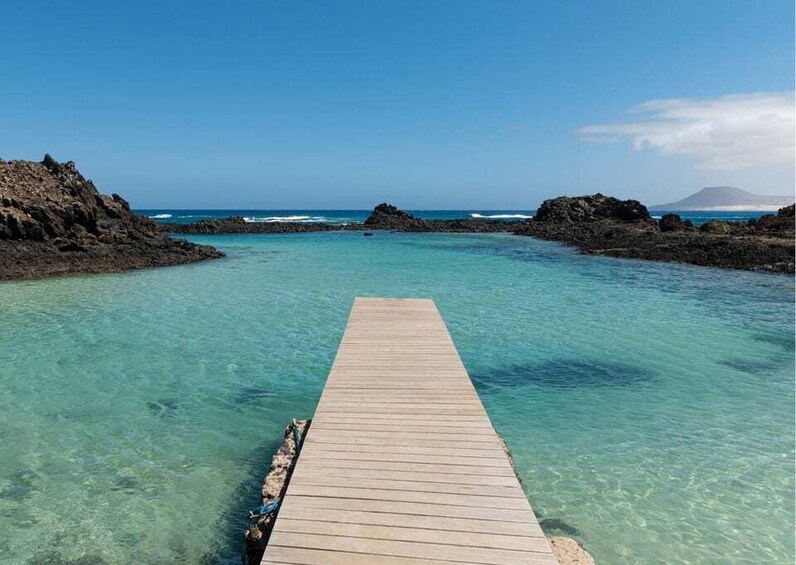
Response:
column 727, row 198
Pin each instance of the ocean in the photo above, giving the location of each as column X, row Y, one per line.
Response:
column 351, row 216
column 648, row 406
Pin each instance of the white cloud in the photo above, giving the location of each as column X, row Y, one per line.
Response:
column 724, row 134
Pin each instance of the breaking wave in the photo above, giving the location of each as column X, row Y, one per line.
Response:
column 280, row 219
column 500, row 216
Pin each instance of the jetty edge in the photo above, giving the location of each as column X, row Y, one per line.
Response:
column 401, row 462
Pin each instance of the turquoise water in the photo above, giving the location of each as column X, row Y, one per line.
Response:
column 649, row 407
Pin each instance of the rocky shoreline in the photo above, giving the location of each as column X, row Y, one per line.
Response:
column 53, row 221
column 384, row 217
column 601, row 225
column 596, row 225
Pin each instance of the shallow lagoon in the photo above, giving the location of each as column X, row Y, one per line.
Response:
column 649, row 406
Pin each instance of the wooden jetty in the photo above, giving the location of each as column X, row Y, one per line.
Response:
column 401, row 465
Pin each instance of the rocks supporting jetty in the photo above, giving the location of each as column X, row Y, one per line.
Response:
column 54, row 221
column 274, row 486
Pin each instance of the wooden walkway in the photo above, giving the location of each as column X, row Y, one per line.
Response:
column 401, row 465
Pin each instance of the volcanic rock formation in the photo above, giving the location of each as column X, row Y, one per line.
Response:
column 54, row 221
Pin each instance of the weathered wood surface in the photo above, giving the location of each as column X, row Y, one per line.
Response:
column 401, row 464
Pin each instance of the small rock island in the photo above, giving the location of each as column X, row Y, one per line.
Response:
column 53, row 221
column 603, row 225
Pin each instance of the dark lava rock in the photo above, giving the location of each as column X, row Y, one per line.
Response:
column 673, row 222
column 599, row 226
column 781, row 225
column 54, row 221
column 716, row 227
column 579, row 209
column 388, row 217
column 384, row 217
column 237, row 224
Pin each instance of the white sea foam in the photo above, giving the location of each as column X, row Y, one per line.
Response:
column 656, row 217
column 161, row 216
column 278, row 219
column 501, row 216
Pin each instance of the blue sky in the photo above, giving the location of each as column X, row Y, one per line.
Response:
column 427, row 104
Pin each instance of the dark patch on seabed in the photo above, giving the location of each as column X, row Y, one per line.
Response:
column 55, row 558
column 22, row 486
column 764, row 367
column 784, row 340
column 555, row 526
column 252, row 394
column 517, row 249
column 164, row 408
column 127, row 484
column 564, row 374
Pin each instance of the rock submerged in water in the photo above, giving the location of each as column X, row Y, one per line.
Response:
column 54, row 221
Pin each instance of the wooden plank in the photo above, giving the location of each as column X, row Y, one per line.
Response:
column 436, row 523
column 401, row 465
column 383, row 456
column 409, row 429
column 510, row 491
column 413, row 467
column 303, row 556
column 410, row 495
column 490, row 452
column 416, row 508
column 408, row 533
column 406, row 549
column 413, row 475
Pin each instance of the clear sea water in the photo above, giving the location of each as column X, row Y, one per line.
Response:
column 349, row 216
column 649, row 406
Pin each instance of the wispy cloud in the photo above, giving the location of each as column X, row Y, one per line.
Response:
column 727, row 133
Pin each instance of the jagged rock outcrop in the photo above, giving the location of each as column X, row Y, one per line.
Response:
column 54, row 221
column 388, row 217
column 673, row 222
column 601, row 225
column 595, row 208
